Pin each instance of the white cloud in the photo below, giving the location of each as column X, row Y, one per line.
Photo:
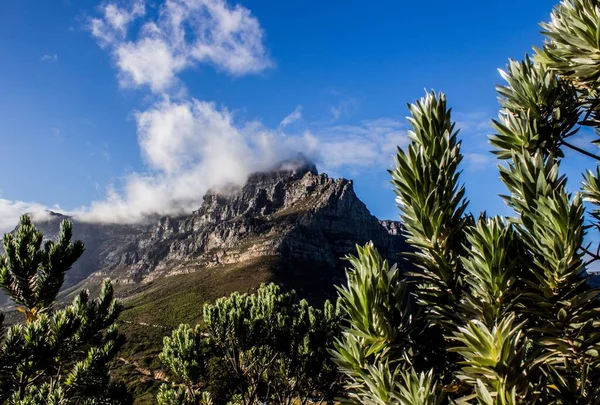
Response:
column 479, row 161
column 50, row 58
column 229, row 37
column 10, row 211
column 291, row 117
column 184, row 34
column 118, row 18
column 344, row 108
column 114, row 23
column 474, row 122
column 176, row 135
column 148, row 62
column 475, row 128
column 106, row 152
column 371, row 144
column 190, row 146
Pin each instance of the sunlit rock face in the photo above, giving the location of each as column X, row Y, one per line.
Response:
column 305, row 220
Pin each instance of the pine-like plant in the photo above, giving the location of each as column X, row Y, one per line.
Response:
column 269, row 347
column 506, row 298
column 57, row 356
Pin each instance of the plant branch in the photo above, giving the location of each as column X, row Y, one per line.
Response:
column 582, row 151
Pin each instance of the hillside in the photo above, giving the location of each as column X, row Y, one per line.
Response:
column 292, row 214
column 290, row 225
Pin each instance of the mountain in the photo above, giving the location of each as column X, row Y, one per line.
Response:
column 289, row 225
column 299, row 221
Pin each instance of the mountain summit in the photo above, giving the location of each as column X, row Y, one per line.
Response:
column 296, row 223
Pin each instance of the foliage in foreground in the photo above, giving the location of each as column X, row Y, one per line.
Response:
column 266, row 347
column 58, row 356
column 494, row 311
column 506, row 297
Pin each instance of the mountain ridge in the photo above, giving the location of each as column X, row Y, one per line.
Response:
column 303, row 219
column 291, row 225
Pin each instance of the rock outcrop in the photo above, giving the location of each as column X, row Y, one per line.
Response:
column 306, row 220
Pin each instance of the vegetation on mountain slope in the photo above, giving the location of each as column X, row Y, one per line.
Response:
column 268, row 347
column 157, row 308
column 493, row 311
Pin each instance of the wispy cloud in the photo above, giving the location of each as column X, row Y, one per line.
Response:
column 106, row 152
column 370, row 144
column 475, row 129
column 190, row 145
column 472, row 122
column 186, row 33
column 113, row 25
column 57, row 134
column 344, row 108
column 291, row 117
column 53, row 58
column 479, row 161
column 11, row 210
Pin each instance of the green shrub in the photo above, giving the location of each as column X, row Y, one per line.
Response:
column 56, row 356
column 265, row 347
column 506, row 298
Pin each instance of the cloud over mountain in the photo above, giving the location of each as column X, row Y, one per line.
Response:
column 11, row 210
column 190, row 145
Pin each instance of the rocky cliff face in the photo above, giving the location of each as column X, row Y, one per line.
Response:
column 306, row 220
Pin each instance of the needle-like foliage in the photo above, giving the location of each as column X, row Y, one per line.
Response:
column 520, row 324
column 431, row 198
column 57, row 356
column 32, row 275
column 269, row 346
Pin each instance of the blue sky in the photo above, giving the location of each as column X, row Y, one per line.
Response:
column 115, row 109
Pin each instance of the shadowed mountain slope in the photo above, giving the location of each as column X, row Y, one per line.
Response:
column 299, row 221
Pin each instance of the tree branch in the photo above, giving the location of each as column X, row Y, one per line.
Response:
column 582, row 151
column 594, row 256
